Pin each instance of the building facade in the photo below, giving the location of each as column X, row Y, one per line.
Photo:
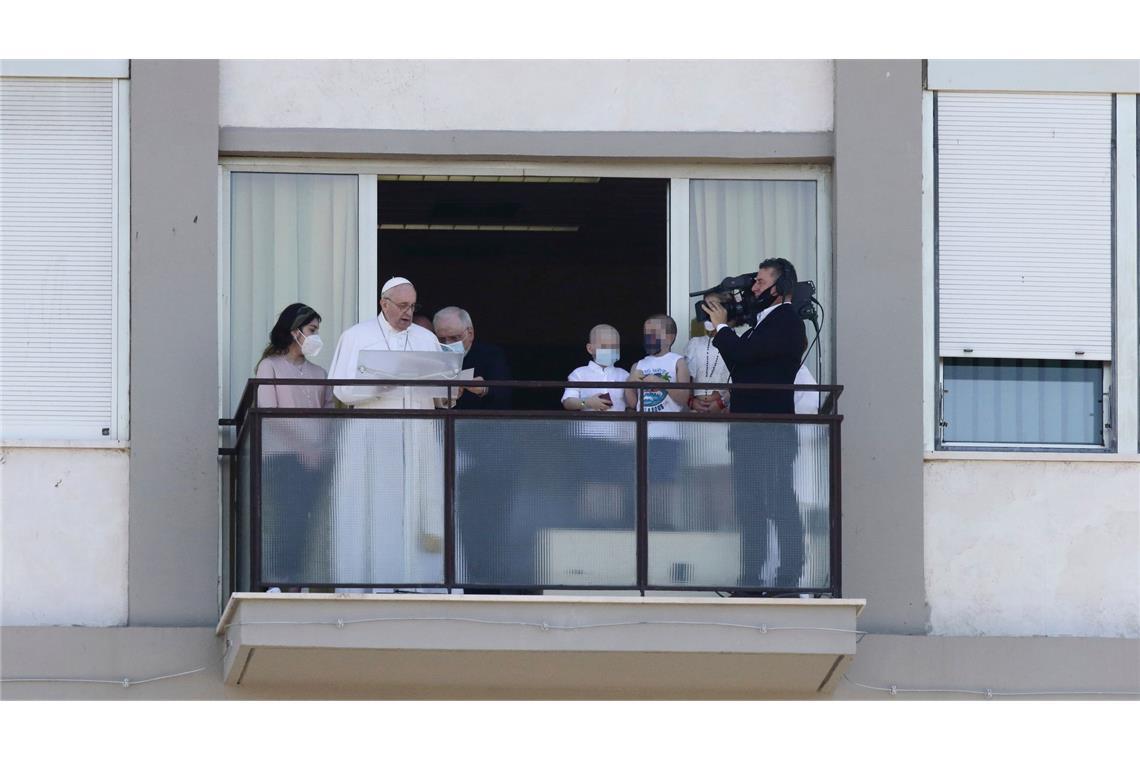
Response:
column 971, row 227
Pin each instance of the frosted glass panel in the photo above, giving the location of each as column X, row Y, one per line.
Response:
column 348, row 502
column 739, row 504
column 548, row 502
column 242, row 526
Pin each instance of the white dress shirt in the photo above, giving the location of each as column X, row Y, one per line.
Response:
column 594, row 372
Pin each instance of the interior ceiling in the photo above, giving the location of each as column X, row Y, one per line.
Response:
column 514, row 203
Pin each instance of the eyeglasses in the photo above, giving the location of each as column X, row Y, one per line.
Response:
column 404, row 306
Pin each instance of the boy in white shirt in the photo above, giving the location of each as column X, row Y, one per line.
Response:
column 606, row 499
column 604, row 349
column 661, row 365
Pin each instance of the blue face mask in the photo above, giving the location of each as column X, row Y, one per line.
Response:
column 607, row 357
column 652, row 345
column 456, row 347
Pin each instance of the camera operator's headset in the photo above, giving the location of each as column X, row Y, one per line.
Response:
column 786, row 282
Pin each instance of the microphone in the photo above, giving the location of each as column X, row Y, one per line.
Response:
column 740, row 282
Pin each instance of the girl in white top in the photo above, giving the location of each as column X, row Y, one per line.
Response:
column 707, row 366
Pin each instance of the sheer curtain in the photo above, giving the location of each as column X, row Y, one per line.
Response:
column 735, row 224
column 293, row 237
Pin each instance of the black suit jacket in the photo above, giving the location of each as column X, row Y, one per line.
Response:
column 768, row 353
column 489, row 363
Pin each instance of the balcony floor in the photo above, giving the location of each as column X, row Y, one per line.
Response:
column 434, row 645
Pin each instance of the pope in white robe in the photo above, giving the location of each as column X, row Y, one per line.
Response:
column 388, row 499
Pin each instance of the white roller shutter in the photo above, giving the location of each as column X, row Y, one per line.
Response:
column 1025, row 225
column 58, row 226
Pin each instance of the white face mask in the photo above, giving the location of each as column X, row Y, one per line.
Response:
column 311, row 345
column 456, row 347
column 607, row 357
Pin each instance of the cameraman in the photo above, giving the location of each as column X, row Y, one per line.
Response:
column 763, row 452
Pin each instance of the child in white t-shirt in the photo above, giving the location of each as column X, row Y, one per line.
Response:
column 661, row 365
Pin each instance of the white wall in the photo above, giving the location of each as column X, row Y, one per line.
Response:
column 1032, row 548
column 63, row 521
column 731, row 96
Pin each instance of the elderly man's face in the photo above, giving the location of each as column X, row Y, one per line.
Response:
column 398, row 307
column 449, row 330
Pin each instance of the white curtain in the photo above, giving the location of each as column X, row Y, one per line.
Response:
column 735, row 224
column 293, row 238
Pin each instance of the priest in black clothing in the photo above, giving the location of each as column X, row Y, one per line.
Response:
column 456, row 332
column 483, row 484
column 763, row 453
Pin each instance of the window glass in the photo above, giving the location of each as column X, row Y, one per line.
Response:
column 736, row 224
column 293, row 237
column 1026, row 401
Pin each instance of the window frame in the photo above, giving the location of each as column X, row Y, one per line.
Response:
column 678, row 174
column 120, row 312
column 1107, row 430
column 1121, row 395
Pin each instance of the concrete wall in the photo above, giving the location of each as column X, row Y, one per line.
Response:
column 1003, row 664
column 174, row 352
column 726, row 96
column 1033, row 548
column 878, row 322
column 63, row 536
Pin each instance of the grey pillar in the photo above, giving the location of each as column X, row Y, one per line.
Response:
column 174, row 353
column 878, row 262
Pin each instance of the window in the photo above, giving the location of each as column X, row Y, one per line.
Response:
column 288, row 234
column 735, row 224
column 1010, row 401
column 1024, row 268
column 64, row 207
column 293, row 237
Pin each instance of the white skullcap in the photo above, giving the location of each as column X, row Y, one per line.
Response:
column 394, row 282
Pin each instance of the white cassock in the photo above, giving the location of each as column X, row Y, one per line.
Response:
column 388, row 500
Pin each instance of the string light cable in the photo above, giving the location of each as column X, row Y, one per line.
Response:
column 894, row 690
column 545, row 626
column 763, row 629
column 124, row 682
column 342, row 623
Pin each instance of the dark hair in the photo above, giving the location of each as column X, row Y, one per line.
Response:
column 786, row 277
column 669, row 322
column 294, row 316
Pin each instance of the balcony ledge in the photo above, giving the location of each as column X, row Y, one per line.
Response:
column 482, row 646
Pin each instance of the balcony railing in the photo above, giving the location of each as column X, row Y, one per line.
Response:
column 422, row 499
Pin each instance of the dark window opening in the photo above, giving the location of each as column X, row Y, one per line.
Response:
column 572, row 255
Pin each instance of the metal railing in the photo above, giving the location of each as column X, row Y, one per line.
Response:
column 531, row 500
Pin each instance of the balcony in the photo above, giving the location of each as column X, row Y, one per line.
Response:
column 439, row 547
